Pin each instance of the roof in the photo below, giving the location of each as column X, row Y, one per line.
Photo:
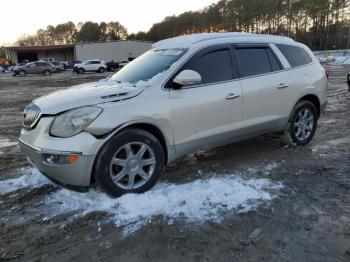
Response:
column 186, row 41
column 38, row 47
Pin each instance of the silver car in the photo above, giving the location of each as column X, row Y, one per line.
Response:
column 38, row 67
column 187, row 93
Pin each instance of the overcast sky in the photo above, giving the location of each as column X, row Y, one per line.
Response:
column 27, row 16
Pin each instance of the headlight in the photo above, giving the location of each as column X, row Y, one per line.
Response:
column 74, row 121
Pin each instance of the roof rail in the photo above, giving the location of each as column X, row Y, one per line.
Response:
column 187, row 40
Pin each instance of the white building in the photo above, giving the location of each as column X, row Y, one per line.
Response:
column 108, row 51
column 117, row 51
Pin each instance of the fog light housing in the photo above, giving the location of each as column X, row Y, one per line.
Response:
column 55, row 159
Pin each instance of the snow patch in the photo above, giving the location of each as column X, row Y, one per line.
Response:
column 207, row 199
column 266, row 170
column 32, row 178
column 344, row 60
column 4, row 142
column 198, row 201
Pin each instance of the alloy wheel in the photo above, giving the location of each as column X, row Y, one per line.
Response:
column 303, row 124
column 132, row 165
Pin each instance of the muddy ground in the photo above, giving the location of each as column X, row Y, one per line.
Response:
column 303, row 216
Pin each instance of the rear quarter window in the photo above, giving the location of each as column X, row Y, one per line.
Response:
column 295, row 55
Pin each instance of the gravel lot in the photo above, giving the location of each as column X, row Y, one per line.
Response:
column 257, row 200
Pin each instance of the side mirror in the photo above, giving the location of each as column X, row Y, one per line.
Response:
column 187, row 77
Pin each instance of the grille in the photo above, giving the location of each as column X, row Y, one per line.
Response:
column 31, row 115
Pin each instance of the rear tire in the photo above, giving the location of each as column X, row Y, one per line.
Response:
column 302, row 124
column 132, row 161
column 47, row 73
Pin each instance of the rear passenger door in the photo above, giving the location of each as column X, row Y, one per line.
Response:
column 265, row 87
column 206, row 114
column 40, row 67
column 95, row 65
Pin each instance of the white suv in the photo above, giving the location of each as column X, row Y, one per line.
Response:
column 96, row 65
column 187, row 93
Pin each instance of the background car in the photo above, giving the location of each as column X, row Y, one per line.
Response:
column 39, row 67
column 112, row 66
column 96, row 65
column 59, row 66
column 47, row 59
column 71, row 64
column 123, row 63
column 13, row 68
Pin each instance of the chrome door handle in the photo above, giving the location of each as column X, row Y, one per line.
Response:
column 281, row 85
column 231, row 96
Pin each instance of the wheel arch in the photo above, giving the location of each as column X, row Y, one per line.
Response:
column 313, row 99
column 154, row 130
column 151, row 128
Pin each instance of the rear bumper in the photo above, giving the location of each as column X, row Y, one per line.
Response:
column 73, row 176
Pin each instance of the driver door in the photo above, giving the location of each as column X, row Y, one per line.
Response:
column 31, row 68
column 209, row 113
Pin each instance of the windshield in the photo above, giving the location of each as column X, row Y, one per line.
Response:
column 148, row 65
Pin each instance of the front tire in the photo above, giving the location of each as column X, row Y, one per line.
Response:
column 81, row 70
column 302, row 123
column 131, row 162
column 22, row 73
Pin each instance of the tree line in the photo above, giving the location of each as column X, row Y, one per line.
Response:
column 68, row 33
column 320, row 24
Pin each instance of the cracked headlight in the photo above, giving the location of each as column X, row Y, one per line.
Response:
column 74, row 121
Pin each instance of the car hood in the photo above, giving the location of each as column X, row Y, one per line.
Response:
column 84, row 95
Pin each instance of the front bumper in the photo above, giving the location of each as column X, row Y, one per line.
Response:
column 37, row 145
column 73, row 176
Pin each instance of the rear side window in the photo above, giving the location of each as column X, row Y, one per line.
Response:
column 254, row 61
column 214, row 66
column 295, row 55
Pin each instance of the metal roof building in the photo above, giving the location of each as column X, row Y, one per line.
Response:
column 114, row 50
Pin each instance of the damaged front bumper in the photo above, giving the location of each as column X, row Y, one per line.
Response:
column 66, row 161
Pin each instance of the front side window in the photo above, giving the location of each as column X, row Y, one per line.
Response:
column 214, row 66
column 148, row 65
column 254, row 61
column 295, row 55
